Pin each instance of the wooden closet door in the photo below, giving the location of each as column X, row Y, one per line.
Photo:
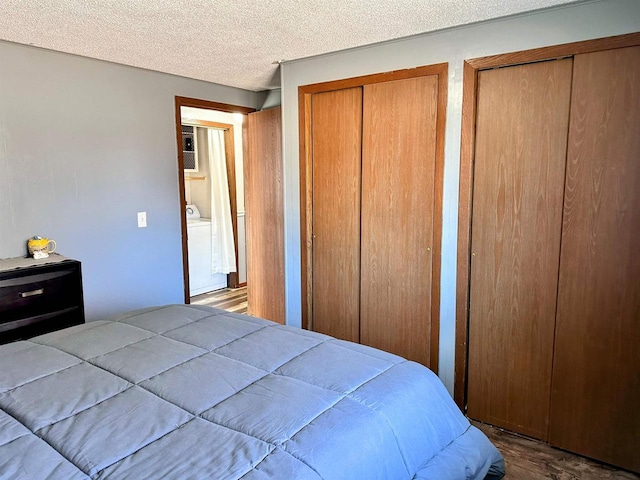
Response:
column 398, row 172
column 521, row 138
column 265, row 215
column 596, row 378
column 336, row 142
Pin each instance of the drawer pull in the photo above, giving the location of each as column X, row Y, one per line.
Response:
column 32, row 293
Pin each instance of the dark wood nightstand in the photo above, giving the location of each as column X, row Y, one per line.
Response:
column 39, row 296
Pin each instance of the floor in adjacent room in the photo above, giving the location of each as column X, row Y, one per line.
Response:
column 528, row 459
column 231, row 299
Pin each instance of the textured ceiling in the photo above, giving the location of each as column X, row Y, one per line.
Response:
column 232, row 42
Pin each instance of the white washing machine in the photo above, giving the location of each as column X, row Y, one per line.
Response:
column 201, row 280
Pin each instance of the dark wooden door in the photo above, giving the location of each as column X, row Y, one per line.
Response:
column 596, row 380
column 265, row 215
column 398, row 175
column 336, row 148
column 520, row 152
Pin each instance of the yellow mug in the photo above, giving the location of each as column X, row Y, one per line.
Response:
column 40, row 247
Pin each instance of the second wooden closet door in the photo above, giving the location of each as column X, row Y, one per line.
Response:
column 374, row 150
column 398, row 169
column 596, row 376
column 521, row 141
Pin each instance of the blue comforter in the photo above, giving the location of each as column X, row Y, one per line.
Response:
column 181, row 392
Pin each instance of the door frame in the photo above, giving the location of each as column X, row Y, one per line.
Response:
column 467, row 156
column 230, row 160
column 222, row 107
column 305, row 93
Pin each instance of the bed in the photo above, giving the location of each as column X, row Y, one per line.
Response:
column 185, row 391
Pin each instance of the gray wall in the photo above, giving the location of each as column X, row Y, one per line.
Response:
column 84, row 145
column 568, row 24
column 270, row 99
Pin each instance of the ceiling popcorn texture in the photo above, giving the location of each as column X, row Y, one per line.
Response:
column 233, row 42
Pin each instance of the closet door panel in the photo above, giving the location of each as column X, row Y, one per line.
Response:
column 265, row 215
column 336, row 142
column 596, row 382
column 521, row 139
column 398, row 170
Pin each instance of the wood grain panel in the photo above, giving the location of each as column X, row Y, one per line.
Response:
column 398, row 175
column 424, row 71
column 305, row 93
column 556, row 51
column 264, row 215
column 521, row 135
column 596, row 382
column 230, row 158
column 209, row 105
column 306, row 207
column 336, row 142
column 467, row 152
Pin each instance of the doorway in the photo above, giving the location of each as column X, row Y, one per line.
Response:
column 202, row 120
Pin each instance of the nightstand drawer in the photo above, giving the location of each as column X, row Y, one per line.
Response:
column 35, row 294
column 39, row 296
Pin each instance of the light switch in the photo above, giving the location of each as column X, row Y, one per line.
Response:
column 142, row 219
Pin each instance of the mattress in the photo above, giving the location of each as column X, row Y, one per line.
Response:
column 181, row 392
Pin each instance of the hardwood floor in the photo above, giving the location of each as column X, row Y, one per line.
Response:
column 528, row 459
column 231, row 299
